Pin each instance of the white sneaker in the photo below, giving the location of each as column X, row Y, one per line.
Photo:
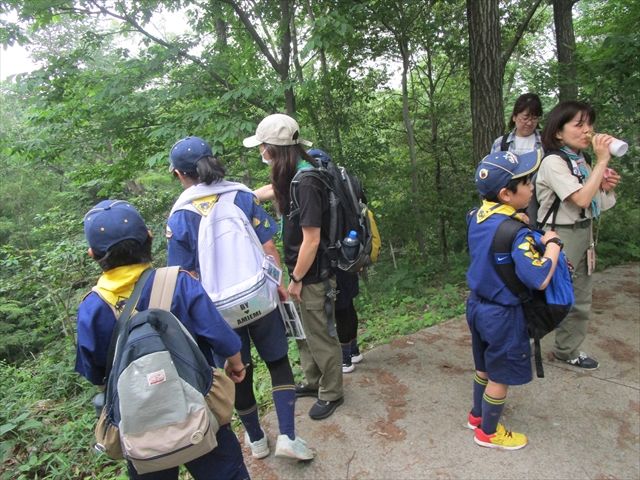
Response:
column 356, row 358
column 259, row 448
column 297, row 449
column 348, row 367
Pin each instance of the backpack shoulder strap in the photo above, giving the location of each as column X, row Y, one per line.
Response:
column 504, row 145
column 164, row 284
column 318, row 173
column 500, row 248
column 123, row 319
column 555, row 206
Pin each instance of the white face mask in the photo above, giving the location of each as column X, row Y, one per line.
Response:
column 264, row 160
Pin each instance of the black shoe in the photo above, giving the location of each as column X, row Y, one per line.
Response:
column 323, row 409
column 302, row 391
column 584, row 362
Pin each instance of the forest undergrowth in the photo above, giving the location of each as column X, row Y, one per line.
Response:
column 46, row 425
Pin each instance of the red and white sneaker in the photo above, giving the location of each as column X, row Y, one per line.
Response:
column 473, row 422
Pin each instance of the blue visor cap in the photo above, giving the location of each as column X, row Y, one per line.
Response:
column 497, row 169
column 112, row 221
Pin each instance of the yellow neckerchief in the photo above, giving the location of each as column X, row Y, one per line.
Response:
column 117, row 284
column 489, row 208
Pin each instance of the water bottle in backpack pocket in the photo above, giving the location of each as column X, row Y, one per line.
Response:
column 351, row 245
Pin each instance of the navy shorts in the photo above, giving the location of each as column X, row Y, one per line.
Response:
column 500, row 341
column 225, row 460
column 267, row 334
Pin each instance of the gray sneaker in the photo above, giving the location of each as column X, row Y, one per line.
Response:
column 296, row 449
column 259, row 448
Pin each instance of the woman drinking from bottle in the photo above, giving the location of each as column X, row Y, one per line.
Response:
column 583, row 192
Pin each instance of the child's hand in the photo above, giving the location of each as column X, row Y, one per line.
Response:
column 234, row 368
column 549, row 234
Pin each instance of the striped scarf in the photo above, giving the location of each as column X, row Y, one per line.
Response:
column 579, row 160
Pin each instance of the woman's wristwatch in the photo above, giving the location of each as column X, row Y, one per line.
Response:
column 294, row 279
column 555, row 240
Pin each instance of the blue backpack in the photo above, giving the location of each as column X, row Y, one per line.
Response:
column 545, row 309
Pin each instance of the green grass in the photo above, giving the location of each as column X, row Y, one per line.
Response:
column 47, row 419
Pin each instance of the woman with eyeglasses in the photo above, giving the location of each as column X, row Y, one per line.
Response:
column 524, row 136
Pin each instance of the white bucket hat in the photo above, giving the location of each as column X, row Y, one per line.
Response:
column 276, row 129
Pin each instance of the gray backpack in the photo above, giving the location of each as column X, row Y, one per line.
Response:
column 157, row 385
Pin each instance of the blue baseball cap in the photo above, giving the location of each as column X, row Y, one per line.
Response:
column 497, row 169
column 319, row 155
column 186, row 153
column 112, row 221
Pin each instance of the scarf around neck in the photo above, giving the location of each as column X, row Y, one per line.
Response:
column 116, row 285
column 490, row 208
column 581, row 163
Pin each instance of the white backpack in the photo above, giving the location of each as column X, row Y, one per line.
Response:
column 231, row 263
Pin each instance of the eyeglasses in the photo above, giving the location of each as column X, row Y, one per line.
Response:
column 528, row 119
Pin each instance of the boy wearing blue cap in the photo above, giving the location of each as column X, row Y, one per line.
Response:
column 496, row 319
column 121, row 244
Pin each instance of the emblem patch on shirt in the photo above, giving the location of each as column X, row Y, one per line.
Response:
column 256, row 221
column 155, row 378
column 169, row 232
column 530, row 252
column 205, row 204
column 267, row 224
column 256, row 201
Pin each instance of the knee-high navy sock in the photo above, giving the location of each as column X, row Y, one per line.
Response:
column 247, row 407
column 251, row 422
column 346, row 352
column 491, row 412
column 355, row 350
column 479, row 384
column 283, row 393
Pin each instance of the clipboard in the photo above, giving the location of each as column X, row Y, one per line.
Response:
column 291, row 319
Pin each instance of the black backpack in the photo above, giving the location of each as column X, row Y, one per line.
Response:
column 534, row 205
column 544, row 310
column 348, row 211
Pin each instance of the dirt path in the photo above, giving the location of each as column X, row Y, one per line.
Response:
column 406, row 404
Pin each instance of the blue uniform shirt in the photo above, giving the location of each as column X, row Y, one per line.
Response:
column 483, row 278
column 191, row 305
column 183, row 227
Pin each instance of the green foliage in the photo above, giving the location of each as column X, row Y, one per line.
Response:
column 97, row 119
column 400, row 301
column 46, row 421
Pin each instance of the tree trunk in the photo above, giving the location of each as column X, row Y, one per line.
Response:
column 408, row 122
column 565, row 44
column 486, row 72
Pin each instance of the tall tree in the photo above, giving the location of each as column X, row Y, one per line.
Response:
column 565, row 45
column 486, row 73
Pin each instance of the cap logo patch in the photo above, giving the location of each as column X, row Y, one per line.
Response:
column 511, row 157
column 484, row 173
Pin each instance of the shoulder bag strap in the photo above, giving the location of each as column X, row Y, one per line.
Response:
column 164, row 284
column 123, row 319
column 504, row 145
